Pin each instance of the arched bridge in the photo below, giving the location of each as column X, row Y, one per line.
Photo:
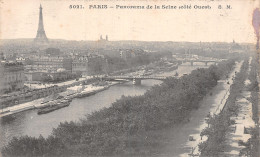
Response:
column 199, row 60
column 135, row 79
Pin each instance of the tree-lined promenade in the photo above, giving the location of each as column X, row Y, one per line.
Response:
column 218, row 124
column 222, row 141
column 112, row 131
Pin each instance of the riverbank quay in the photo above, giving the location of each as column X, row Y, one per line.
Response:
column 227, row 133
column 242, row 137
column 70, row 93
column 30, row 95
column 38, row 91
column 219, row 103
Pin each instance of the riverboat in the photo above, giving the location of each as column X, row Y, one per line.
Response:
column 54, row 107
column 89, row 93
column 86, row 93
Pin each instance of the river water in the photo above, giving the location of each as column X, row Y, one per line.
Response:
column 31, row 124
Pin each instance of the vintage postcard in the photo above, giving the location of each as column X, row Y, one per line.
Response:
column 121, row 78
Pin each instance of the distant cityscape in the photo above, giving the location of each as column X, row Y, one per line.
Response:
column 46, row 60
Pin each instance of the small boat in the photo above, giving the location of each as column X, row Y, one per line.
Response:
column 51, row 108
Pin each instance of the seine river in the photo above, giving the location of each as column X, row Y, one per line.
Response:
column 29, row 123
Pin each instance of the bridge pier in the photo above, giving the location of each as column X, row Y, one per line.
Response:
column 191, row 63
column 206, row 63
column 136, row 81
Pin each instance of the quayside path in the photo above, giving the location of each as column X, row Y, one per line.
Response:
column 35, row 104
column 243, row 119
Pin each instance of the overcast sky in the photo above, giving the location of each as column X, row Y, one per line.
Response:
column 19, row 19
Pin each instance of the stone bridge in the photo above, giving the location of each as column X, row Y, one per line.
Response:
column 136, row 79
column 198, row 60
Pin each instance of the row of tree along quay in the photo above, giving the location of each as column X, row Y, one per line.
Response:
column 252, row 145
column 218, row 125
column 115, row 130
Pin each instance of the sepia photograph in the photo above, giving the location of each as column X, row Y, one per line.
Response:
column 129, row 78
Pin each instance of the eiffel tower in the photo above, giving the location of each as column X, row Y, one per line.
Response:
column 41, row 36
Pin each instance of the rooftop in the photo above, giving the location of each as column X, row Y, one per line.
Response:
column 10, row 63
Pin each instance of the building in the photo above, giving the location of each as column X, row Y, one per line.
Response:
column 21, row 59
column 10, row 56
column 80, row 64
column 11, row 76
column 58, row 76
column 33, row 76
column 130, row 53
column 88, row 64
column 49, row 63
column 236, row 48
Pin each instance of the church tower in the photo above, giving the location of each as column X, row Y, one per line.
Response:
column 41, row 36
